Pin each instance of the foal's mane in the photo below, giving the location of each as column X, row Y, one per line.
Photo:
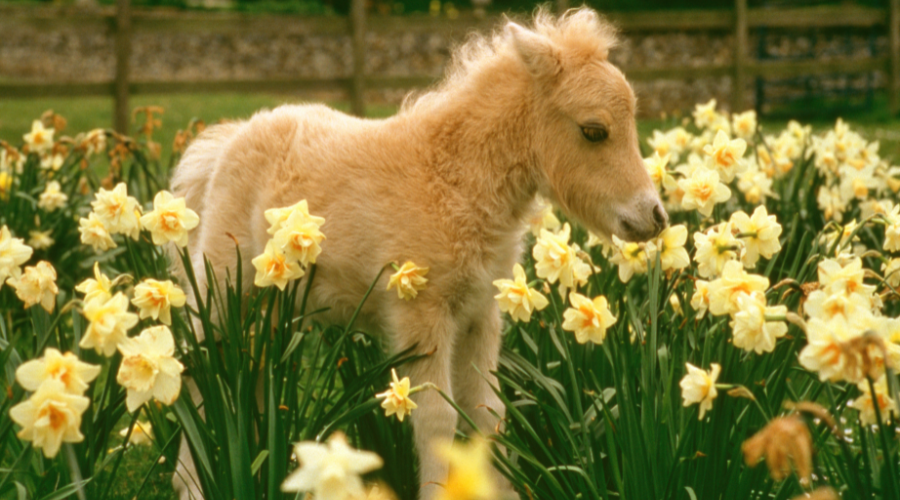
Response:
column 579, row 33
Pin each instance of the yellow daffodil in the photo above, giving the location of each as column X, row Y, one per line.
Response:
column 41, row 240
column 725, row 290
column 52, row 198
column 670, row 247
column 556, row 260
column 699, row 386
column 543, row 217
column 866, row 405
column 751, row 329
column 827, row 306
column 95, row 233
column 109, row 324
column 331, row 471
column 13, row 253
column 53, row 162
column 759, row 233
column 141, row 434
column 50, row 417
column 588, row 319
column 656, row 167
column 702, row 191
column 700, row 299
column 847, row 279
column 40, row 139
column 824, row 352
column 93, row 142
column 631, row 258
column 6, row 182
column 891, row 271
column 274, row 268
column 149, row 369
column 278, row 216
column 705, row 115
column 98, row 288
column 37, row 285
column 119, row 212
column 67, row 368
column 170, row 220
column 408, row 280
column 517, row 298
column 155, row 299
column 396, row 399
column 714, row 249
column 744, row 124
column 299, row 237
column 725, row 155
column 470, row 471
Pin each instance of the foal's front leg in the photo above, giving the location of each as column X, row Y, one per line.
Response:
column 476, row 356
column 431, row 329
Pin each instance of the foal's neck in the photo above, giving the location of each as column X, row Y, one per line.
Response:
column 481, row 133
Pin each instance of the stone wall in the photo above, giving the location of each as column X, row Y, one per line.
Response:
column 29, row 51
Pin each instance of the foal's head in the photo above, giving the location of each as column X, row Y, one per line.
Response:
column 584, row 135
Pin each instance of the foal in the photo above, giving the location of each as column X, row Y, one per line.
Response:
column 446, row 183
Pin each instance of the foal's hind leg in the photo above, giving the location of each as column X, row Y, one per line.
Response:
column 474, row 364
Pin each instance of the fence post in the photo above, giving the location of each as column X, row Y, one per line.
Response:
column 123, row 53
column 739, row 78
column 894, row 77
column 358, row 34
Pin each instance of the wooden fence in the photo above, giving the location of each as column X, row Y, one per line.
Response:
column 123, row 22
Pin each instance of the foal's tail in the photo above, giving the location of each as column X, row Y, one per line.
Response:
column 194, row 171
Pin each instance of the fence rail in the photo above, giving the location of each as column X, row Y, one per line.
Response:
column 122, row 22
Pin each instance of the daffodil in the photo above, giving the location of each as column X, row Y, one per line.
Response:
column 408, row 280
column 470, row 471
column 702, row 191
column 278, row 216
column 847, row 279
column 95, row 233
column 109, row 324
column 119, row 212
column 40, row 139
column 170, row 220
column 274, row 268
column 140, row 434
column 52, row 198
column 37, row 285
column 67, row 368
column 396, row 399
column 866, row 405
column 699, row 386
column 299, row 237
column 744, row 124
column 155, row 299
column 824, row 352
column 6, row 182
column 705, row 115
column 588, row 319
column 669, row 245
column 656, row 167
column 13, row 253
column 331, row 471
column 752, row 328
column 700, row 299
column 891, row 271
column 40, row 240
column 725, row 290
column 543, row 217
column 556, row 260
column 714, row 249
column 755, row 185
column 517, row 298
column 98, row 288
column 50, row 417
column 759, row 233
column 632, row 258
column 149, row 368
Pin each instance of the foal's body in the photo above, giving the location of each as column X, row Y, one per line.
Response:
column 446, row 184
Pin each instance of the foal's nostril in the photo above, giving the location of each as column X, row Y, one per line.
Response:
column 660, row 217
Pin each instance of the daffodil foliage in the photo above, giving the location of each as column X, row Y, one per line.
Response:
column 750, row 350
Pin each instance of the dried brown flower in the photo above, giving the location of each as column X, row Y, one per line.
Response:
column 784, row 442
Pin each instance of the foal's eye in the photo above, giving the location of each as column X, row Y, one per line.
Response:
column 594, row 134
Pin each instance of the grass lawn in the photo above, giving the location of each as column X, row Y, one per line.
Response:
column 87, row 113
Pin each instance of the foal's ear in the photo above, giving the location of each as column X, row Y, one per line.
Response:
column 537, row 51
